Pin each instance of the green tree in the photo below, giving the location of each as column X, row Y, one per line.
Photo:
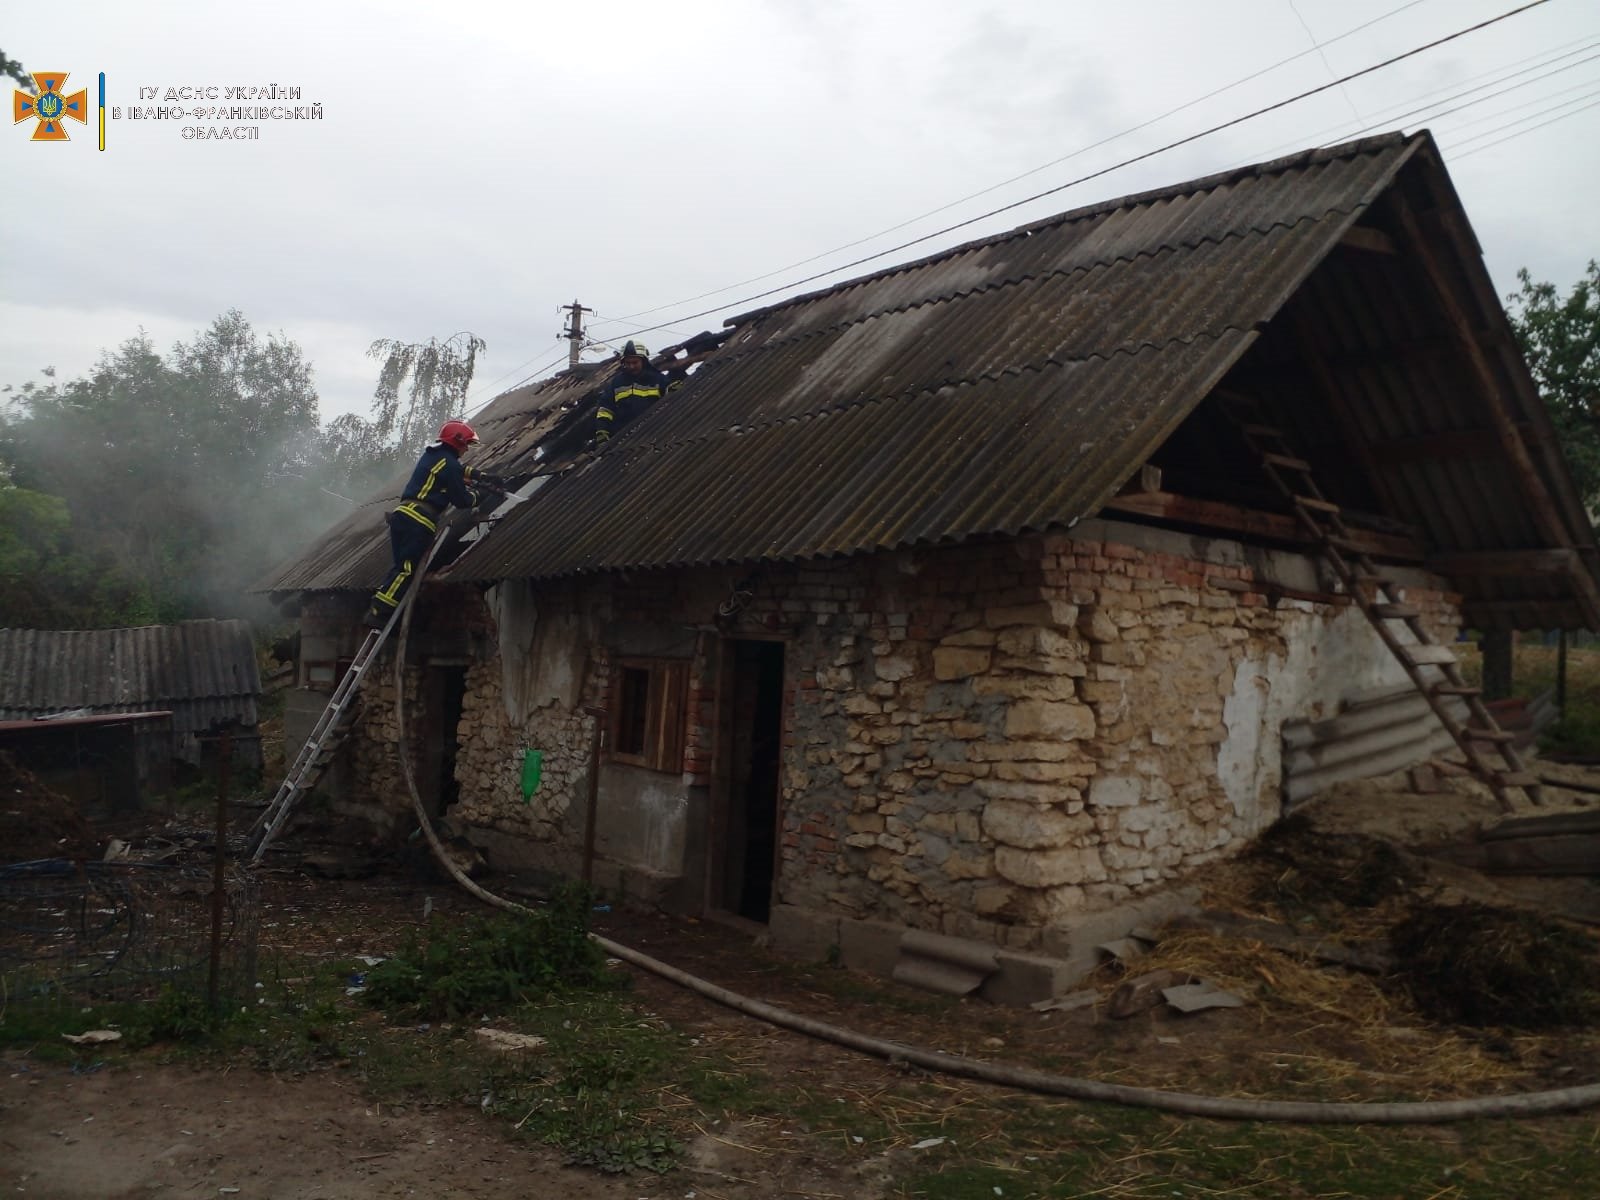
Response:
column 47, row 581
column 440, row 374
column 189, row 475
column 1560, row 338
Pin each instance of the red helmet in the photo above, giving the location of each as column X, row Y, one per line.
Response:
column 458, row 435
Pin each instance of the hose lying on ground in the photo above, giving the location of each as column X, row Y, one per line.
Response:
column 1188, row 1104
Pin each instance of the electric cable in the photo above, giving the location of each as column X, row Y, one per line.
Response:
column 1399, row 111
column 1071, row 183
column 1512, row 137
column 1323, row 54
column 1172, row 145
column 1456, row 131
column 1235, row 1108
column 1435, row 115
column 1444, row 133
column 1184, row 107
column 507, row 375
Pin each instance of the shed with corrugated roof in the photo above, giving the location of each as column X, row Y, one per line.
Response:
column 968, row 595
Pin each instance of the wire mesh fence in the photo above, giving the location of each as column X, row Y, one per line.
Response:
column 75, row 932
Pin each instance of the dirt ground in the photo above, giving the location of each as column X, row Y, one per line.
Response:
column 170, row 1132
column 151, row 1131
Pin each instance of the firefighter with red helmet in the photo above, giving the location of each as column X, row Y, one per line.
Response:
column 438, row 481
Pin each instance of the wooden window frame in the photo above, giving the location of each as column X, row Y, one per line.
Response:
column 333, row 668
column 664, row 720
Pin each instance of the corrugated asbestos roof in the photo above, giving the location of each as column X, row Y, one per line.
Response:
column 1005, row 385
column 516, row 429
column 200, row 670
column 1015, row 382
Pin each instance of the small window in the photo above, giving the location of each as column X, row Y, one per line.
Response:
column 647, row 719
column 324, row 676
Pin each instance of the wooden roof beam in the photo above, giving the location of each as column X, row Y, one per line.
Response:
column 1506, row 427
column 1485, row 563
column 1546, row 608
column 1365, row 237
column 1461, row 443
column 1231, row 519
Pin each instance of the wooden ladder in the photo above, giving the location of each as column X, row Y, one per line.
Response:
column 1433, row 668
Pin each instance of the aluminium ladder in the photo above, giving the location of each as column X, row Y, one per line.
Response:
column 324, row 740
column 1487, row 747
column 333, row 726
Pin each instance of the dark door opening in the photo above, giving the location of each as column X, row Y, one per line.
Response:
column 444, row 687
column 750, row 842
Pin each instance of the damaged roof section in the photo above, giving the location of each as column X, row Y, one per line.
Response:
column 1005, row 385
column 526, row 431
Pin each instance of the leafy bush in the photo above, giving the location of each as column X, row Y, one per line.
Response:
column 1577, row 732
column 493, row 962
column 173, row 1016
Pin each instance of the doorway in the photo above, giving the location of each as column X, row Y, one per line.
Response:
column 753, row 729
column 444, row 688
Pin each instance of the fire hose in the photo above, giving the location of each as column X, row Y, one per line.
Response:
column 1523, row 1104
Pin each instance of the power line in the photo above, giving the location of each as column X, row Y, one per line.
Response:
column 1457, row 127
column 538, row 374
column 1513, row 137
column 1339, row 83
column 1333, row 134
column 1392, row 115
column 1323, row 53
column 1183, row 141
column 1495, row 95
column 1592, row 97
column 1184, row 107
column 498, row 378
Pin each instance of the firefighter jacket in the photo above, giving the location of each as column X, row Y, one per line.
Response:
column 438, row 482
column 627, row 396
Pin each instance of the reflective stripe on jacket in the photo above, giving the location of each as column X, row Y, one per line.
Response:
column 438, row 482
column 626, row 399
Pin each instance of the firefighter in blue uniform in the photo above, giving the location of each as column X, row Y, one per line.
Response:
column 635, row 387
column 438, row 482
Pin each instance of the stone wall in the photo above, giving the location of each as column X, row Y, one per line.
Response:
column 981, row 740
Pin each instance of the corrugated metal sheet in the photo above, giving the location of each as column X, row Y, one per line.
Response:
column 200, row 670
column 1009, row 384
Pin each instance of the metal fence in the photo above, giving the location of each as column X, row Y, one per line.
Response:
column 91, row 931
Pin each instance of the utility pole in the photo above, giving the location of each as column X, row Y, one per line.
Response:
column 574, row 331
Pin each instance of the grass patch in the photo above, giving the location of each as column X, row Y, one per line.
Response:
column 491, row 963
column 1069, row 1151
column 617, row 1089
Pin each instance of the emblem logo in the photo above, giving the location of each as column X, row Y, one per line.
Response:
column 51, row 108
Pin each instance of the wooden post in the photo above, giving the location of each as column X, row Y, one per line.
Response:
column 1561, row 674
column 1497, row 658
column 599, row 715
column 219, row 867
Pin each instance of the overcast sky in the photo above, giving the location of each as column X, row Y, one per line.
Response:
column 479, row 164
